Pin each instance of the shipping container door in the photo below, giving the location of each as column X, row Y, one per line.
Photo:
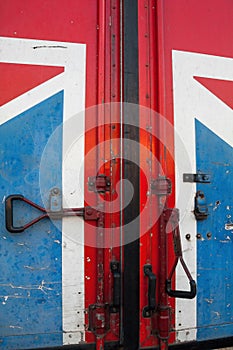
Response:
column 189, row 45
column 60, row 280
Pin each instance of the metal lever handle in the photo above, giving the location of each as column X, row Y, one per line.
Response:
column 88, row 213
column 115, row 268
column 173, row 215
column 181, row 293
column 9, row 213
column 148, row 310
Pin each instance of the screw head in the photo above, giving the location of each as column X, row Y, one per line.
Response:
column 188, row 236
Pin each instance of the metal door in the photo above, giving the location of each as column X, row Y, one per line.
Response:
column 60, row 285
column 185, row 55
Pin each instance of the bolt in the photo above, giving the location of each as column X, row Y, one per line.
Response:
column 188, row 236
column 209, row 235
column 55, row 190
column 89, row 211
column 198, row 236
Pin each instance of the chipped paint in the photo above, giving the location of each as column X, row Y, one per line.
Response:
column 33, row 268
column 229, row 226
column 209, row 301
column 57, row 241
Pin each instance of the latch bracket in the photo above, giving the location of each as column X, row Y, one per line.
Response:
column 161, row 186
column 200, row 206
column 99, row 319
column 99, row 184
column 198, row 178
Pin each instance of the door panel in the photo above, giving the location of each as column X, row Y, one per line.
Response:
column 57, row 61
column 185, row 65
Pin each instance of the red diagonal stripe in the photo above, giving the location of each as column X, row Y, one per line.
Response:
column 16, row 79
column 223, row 89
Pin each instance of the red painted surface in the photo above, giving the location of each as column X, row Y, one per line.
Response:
column 17, row 79
column 55, row 20
column 220, row 88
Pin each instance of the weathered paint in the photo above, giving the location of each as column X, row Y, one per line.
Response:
column 215, row 247
column 49, row 165
column 194, row 149
column 31, row 280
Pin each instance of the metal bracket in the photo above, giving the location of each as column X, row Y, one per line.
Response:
column 200, row 206
column 162, row 186
column 99, row 184
column 199, row 178
column 99, row 319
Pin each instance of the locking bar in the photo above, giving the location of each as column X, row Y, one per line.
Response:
column 88, row 213
column 150, row 308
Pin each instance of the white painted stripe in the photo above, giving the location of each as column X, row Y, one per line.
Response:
column 71, row 56
column 192, row 100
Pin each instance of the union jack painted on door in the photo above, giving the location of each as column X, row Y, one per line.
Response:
column 48, row 88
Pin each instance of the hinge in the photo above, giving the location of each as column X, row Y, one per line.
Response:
column 99, row 184
column 99, row 318
column 161, row 186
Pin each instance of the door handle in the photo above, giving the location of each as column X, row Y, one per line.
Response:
column 150, row 308
column 115, row 269
column 88, row 213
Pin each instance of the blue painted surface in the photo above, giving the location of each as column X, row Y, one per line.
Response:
column 215, row 255
column 31, row 262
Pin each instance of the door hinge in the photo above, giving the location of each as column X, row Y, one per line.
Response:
column 99, row 184
column 99, row 319
column 162, row 186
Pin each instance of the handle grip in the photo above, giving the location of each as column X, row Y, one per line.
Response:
column 9, row 213
column 181, row 293
column 147, row 310
column 115, row 268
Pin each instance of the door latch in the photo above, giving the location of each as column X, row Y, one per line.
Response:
column 200, row 206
